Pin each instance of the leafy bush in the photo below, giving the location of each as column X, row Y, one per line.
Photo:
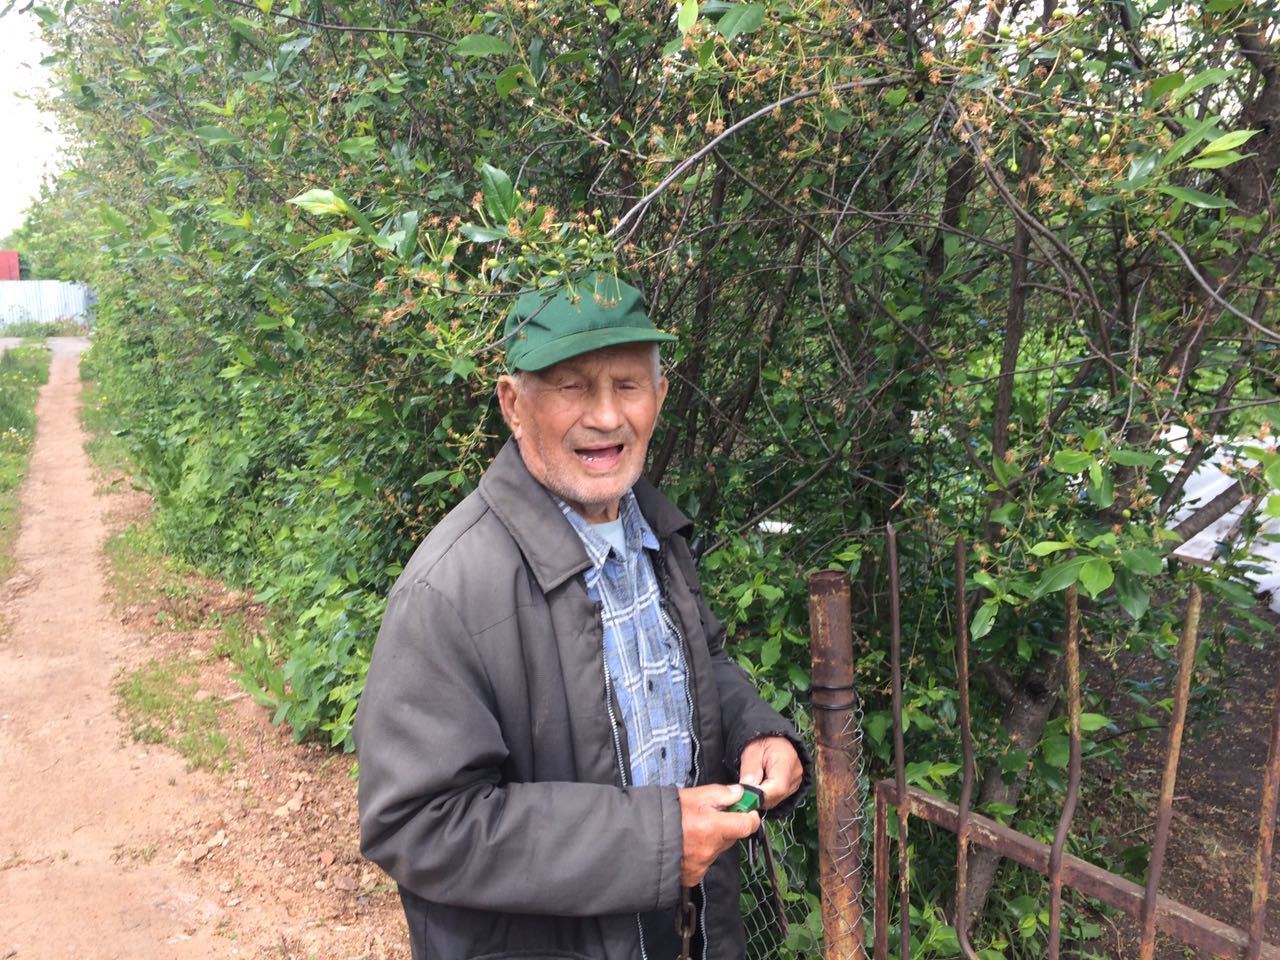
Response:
column 992, row 272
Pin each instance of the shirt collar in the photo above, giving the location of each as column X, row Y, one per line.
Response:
column 635, row 527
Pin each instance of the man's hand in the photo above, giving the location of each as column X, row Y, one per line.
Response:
column 771, row 763
column 709, row 830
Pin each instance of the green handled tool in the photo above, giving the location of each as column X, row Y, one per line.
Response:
column 752, row 799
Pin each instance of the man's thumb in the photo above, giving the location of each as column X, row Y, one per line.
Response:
column 729, row 795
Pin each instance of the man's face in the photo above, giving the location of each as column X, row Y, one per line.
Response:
column 584, row 425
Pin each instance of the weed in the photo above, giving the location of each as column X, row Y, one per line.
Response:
column 106, row 446
column 160, row 702
column 22, row 371
column 140, row 571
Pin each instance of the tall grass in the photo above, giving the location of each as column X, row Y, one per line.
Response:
column 22, row 371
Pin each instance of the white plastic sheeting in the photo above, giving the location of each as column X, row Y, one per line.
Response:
column 43, row 301
column 1214, row 475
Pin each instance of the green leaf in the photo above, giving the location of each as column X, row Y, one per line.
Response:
column 1056, row 750
column 499, row 194
column 1142, row 561
column 771, row 652
column 215, row 135
column 1229, row 141
column 837, row 120
column 1093, row 722
column 1046, row 547
column 688, row 15
column 896, row 96
column 409, row 241
column 322, row 203
column 481, row 45
column 1217, row 161
column 1134, row 458
column 478, row 234
column 113, row 219
column 360, row 147
column 1273, row 505
column 1059, row 576
column 1142, row 166
column 1162, row 85
column 339, row 239
column 741, row 18
column 1101, row 488
column 1093, row 440
column 1197, row 198
column 1071, row 461
column 1096, row 576
column 1197, row 83
column 1272, row 473
column 917, row 770
column 509, row 79
column 984, row 619
column 1133, row 596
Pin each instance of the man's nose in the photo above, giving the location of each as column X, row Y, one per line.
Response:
column 604, row 410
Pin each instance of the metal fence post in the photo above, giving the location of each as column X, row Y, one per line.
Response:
column 837, row 741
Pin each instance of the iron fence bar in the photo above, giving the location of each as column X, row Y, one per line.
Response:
column 1195, row 929
column 899, row 761
column 1073, row 772
column 1266, row 834
column 880, row 873
column 836, row 752
column 966, row 746
column 1164, row 816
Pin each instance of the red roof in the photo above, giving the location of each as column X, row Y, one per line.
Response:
column 8, row 264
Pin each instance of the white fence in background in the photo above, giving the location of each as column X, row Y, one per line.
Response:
column 44, row 301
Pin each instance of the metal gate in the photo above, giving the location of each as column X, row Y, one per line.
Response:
column 837, row 757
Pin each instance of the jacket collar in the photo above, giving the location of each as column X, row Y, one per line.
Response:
column 543, row 534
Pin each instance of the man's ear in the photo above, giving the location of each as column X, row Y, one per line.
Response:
column 508, row 391
column 663, row 384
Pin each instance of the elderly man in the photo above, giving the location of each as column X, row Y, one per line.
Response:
column 551, row 732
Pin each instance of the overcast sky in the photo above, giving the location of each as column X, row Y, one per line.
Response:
column 29, row 144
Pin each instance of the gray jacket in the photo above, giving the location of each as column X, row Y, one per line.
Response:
column 489, row 769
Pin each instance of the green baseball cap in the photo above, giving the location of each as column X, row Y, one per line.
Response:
column 545, row 327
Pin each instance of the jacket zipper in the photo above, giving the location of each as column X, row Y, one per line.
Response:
column 617, row 753
column 693, row 720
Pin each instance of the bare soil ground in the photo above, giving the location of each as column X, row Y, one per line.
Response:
column 110, row 848
column 1209, row 864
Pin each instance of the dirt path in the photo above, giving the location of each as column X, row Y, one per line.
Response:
column 7, row 342
column 74, row 796
column 100, row 836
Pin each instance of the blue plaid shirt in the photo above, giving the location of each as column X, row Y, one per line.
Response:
column 642, row 652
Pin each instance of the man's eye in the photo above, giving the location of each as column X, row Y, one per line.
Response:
column 570, row 388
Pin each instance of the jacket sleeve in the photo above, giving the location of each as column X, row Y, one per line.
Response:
column 437, row 816
column 745, row 715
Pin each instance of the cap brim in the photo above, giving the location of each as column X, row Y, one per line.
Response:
column 584, row 341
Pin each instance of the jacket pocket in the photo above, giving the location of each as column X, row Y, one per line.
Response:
column 535, row 954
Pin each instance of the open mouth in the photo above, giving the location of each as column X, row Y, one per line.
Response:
column 600, row 458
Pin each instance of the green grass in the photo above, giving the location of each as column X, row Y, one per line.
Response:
column 47, row 328
column 106, row 445
column 162, row 702
column 139, row 572
column 22, row 372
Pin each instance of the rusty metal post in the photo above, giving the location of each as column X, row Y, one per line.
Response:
column 966, row 749
column 1164, row 814
column 837, row 759
column 1266, row 835
column 1073, row 774
column 899, row 751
